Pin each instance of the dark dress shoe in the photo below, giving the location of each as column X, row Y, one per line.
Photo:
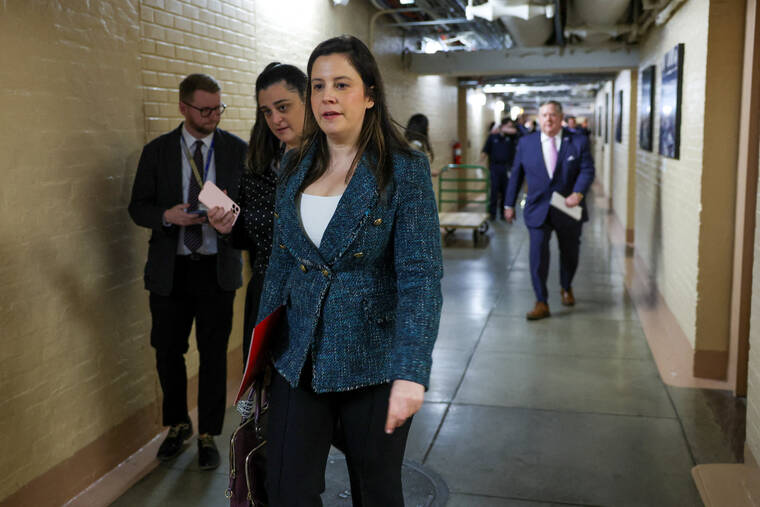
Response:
column 567, row 297
column 173, row 443
column 540, row 311
column 208, row 455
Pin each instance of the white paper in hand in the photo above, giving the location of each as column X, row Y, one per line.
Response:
column 558, row 201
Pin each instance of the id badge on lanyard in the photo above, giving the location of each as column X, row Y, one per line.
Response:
column 190, row 160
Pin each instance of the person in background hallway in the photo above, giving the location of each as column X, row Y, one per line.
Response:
column 500, row 150
column 552, row 160
column 191, row 273
column 584, row 126
column 573, row 127
column 357, row 263
column 520, row 125
column 416, row 134
column 280, row 93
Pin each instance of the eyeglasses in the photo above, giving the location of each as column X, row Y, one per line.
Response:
column 206, row 111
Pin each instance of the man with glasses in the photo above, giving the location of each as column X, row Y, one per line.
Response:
column 191, row 273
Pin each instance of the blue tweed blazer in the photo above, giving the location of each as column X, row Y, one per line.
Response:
column 366, row 304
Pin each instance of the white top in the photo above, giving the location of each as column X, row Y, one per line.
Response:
column 545, row 149
column 316, row 212
column 209, row 233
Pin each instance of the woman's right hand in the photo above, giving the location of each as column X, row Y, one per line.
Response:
column 220, row 220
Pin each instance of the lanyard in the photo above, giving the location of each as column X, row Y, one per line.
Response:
column 192, row 162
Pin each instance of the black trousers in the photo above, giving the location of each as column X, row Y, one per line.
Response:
column 499, row 182
column 196, row 295
column 300, row 429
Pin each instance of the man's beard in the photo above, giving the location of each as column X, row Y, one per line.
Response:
column 200, row 128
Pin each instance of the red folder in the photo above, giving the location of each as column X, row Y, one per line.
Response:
column 263, row 333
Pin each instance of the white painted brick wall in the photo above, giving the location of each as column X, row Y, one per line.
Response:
column 668, row 191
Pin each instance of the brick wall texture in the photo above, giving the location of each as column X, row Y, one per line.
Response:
column 667, row 190
column 85, row 85
column 753, row 376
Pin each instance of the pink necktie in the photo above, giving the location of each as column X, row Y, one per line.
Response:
column 552, row 157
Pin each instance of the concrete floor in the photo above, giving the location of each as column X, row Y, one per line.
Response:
column 570, row 410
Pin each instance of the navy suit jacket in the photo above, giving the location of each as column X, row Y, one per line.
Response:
column 366, row 303
column 158, row 187
column 574, row 173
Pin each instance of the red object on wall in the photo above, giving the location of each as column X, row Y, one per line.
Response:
column 457, row 152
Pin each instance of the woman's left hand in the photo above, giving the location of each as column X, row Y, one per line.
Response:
column 405, row 400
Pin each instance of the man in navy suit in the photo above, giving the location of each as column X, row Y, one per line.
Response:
column 552, row 160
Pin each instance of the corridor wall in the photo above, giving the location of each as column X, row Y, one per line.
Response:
column 623, row 167
column 685, row 207
column 85, row 85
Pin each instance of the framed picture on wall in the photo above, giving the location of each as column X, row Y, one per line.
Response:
column 619, row 117
column 646, row 106
column 599, row 120
column 606, row 118
column 670, row 103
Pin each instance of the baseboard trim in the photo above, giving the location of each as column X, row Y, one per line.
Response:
column 99, row 473
column 673, row 353
column 711, row 364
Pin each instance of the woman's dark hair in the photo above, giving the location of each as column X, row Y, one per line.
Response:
column 264, row 146
column 417, row 130
column 379, row 138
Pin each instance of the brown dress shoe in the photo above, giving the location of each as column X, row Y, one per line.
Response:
column 540, row 311
column 567, row 297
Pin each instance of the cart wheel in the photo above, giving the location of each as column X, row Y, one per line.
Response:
column 483, row 227
column 448, row 238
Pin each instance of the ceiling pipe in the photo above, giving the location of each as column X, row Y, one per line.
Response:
column 385, row 12
column 612, row 30
column 559, row 30
column 667, row 12
column 448, row 21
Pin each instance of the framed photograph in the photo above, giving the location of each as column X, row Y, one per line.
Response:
column 619, row 117
column 646, row 106
column 599, row 121
column 670, row 103
column 606, row 118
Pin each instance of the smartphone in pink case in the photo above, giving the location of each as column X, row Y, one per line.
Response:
column 212, row 196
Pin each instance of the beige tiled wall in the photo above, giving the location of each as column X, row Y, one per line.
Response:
column 85, row 85
column 753, row 375
column 668, row 190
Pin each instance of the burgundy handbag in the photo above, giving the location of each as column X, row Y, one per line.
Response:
column 247, row 451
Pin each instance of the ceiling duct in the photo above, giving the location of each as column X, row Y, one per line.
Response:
column 596, row 21
column 497, row 9
column 528, row 24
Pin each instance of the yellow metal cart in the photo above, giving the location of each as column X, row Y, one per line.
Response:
column 457, row 184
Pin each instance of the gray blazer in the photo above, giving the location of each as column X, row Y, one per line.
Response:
column 366, row 304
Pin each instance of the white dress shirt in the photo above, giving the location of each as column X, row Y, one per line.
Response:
column 209, row 246
column 545, row 151
column 545, row 148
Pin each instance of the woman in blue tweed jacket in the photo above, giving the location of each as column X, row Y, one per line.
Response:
column 356, row 260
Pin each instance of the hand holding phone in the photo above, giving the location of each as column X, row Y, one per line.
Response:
column 213, row 197
column 178, row 215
